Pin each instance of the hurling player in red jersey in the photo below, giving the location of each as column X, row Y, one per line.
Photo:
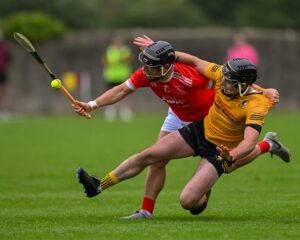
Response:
column 181, row 86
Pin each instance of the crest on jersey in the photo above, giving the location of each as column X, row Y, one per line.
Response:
column 243, row 104
column 166, row 89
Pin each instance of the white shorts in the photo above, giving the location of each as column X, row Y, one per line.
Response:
column 172, row 122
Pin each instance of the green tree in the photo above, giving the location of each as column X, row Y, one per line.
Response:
column 37, row 26
column 269, row 14
column 95, row 14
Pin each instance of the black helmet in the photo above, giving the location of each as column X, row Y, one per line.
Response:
column 157, row 54
column 240, row 70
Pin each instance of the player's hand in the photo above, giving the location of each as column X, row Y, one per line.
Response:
column 81, row 108
column 224, row 152
column 226, row 158
column 272, row 94
column 142, row 42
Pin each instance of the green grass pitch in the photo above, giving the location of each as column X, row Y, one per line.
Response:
column 41, row 199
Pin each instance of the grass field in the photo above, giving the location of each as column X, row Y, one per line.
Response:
column 41, row 199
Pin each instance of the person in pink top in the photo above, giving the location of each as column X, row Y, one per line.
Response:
column 5, row 59
column 242, row 49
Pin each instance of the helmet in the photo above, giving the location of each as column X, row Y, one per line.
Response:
column 240, row 70
column 157, row 54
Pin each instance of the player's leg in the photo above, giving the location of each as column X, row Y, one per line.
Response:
column 275, row 147
column 172, row 146
column 196, row 192
column 156, row 175
column 154, row 182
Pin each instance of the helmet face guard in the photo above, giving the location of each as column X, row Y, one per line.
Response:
column 239, row 71
column 157, row 77
column 148, row 60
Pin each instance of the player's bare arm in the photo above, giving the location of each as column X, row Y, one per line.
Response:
column 271, row 93
column 111, row 96
column 235, row 159
column 191, row 60
column 247, row 145
column 114, row 95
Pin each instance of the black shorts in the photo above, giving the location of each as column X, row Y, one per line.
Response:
column 193, row 134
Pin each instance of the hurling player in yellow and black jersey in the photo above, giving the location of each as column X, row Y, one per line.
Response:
column 236, row 106
column 227, row 134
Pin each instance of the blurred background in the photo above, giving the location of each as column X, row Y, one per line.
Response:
column 72, row 37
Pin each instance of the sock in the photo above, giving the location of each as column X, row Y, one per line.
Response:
column 264, row 147
column 108, row 181
column 148, row 204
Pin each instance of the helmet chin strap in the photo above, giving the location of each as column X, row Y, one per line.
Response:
column 232, row 95
column 165, row 73
column 240, row 90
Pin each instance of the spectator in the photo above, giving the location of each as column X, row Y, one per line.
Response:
column 5, row 57
column 117, row 68
column 242, row 49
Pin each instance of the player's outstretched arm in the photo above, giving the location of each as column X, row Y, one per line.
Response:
column 236, row 158
column 247, row 145
column 109, row 97
column 194, row 61
column 271, row 93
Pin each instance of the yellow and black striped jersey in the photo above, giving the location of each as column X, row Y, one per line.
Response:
column 226, row 120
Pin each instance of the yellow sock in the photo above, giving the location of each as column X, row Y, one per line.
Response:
column 108, row 181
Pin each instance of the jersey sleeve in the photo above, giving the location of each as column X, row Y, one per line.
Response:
column 257, row 112
column 214, row 72
column 138, row 80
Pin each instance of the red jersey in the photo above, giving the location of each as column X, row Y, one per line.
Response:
column 187, row 92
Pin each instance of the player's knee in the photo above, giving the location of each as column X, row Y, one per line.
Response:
column 146, row 157
column 159, row 165
column 150, row 157
column 187, row 201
